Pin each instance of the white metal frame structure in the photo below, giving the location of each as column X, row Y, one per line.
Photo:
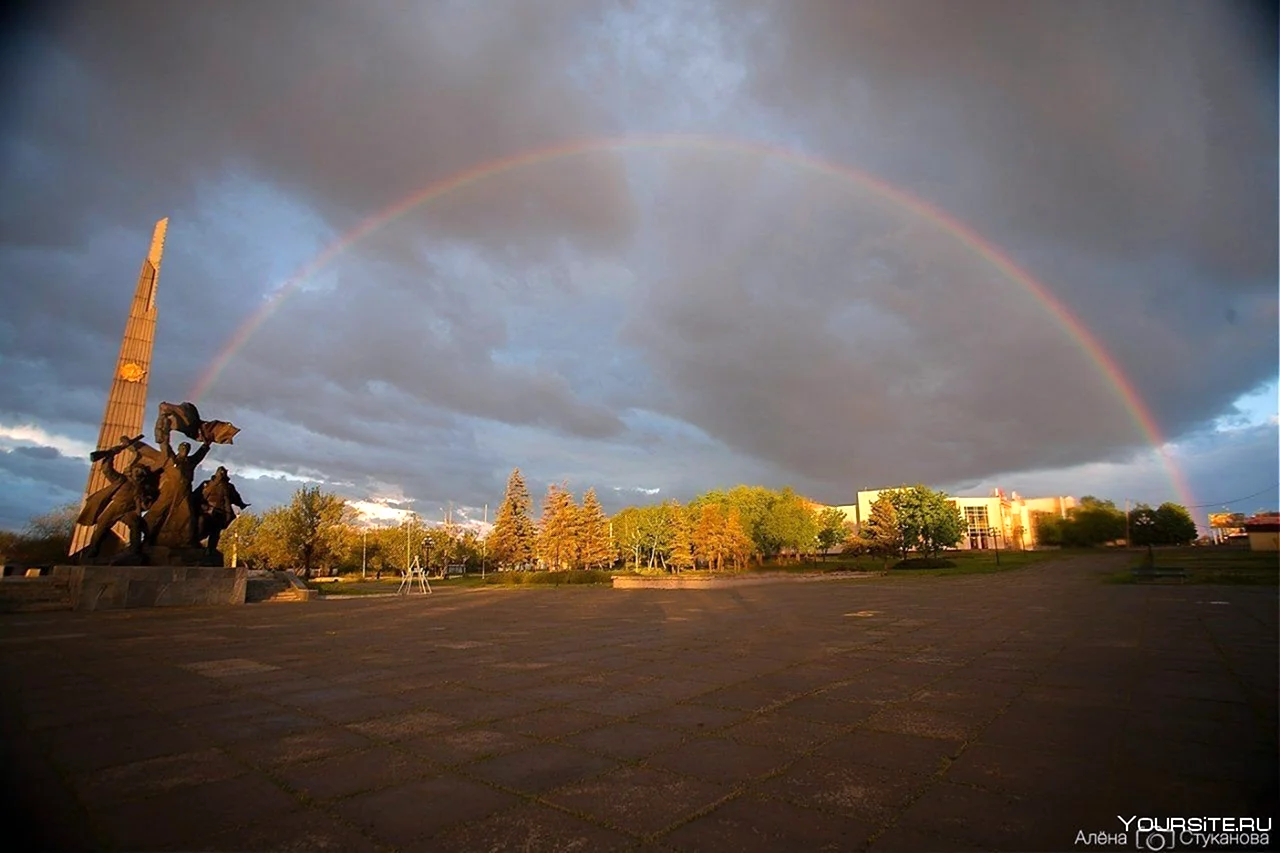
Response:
column 416, row 575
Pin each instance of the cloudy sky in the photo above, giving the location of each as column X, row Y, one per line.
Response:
column 651, row 247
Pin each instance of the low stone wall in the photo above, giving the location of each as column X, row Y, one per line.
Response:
column 34, row 594
column 266, row 585
column 119, row 587
column 690, row 581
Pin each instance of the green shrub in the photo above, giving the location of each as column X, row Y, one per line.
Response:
column 576, row 576
column 925, row 563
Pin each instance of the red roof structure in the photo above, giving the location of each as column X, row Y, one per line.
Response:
column 1263, row 522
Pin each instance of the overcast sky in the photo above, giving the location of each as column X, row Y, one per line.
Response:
column 653, row 320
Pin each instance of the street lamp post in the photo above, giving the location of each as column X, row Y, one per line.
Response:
column 1146, row 524
column 364, row 553
column 995, row 539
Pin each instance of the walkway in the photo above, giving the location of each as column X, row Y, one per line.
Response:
column 1000, row 712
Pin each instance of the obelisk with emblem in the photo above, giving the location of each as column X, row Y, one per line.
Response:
column 127, row 402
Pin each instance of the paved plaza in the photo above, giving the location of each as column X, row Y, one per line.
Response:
column 986, row 712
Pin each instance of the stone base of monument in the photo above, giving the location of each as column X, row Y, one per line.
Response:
column 159, row 555
column 156, row 555
column 119, row 587
column 34, row 594
column 267, row 585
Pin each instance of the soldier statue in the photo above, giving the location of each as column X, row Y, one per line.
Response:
column 122, row 501
column 218, row 498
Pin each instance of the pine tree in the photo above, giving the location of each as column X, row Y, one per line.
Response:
column 511, row 542
column 557, row 540
column 595, row 545
column 881, row 534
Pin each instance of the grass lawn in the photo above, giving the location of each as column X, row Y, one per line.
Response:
column 391, row 584
column 963, row 563
column 975, row 563
column 356, row 587
column 1209, row 565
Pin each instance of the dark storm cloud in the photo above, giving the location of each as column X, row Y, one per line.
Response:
column 1125, row 155
column 1129, row 127
column 924, row 365
column 647, row 319
column 249, row 126
column 348, row 108
column 422, row 338
column 1135, row 138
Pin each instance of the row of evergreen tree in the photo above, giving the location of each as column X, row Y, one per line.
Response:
column 568, row 535
column 715, row 530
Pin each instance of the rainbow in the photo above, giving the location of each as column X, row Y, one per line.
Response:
column 1133, row 403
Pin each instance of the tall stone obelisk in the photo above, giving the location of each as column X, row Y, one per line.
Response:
column 127, row 403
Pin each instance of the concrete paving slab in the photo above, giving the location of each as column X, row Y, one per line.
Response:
column 716, row 759
column 531, row 829
column 539, row 768
column 352, row 773
column 302, row 830
column 782, row 732
column 315, row 743
column 641, row 801
column 554, row 722
column 149, row 777
column 180, row 817
column 405, row 816
column 872, row 795
column 461, row 746
column 757, row 825
column 626, row 741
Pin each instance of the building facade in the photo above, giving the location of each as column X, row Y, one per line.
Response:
column 998, row 520
column 1263, row 531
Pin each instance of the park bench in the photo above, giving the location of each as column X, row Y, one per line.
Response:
column 1145, row 573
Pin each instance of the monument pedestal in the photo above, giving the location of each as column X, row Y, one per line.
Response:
column 119, row 587
column 160, row 555
column 115, row 554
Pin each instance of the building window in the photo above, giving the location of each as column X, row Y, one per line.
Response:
column 979, row 527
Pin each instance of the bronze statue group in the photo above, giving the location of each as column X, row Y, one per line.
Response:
column 169, row 520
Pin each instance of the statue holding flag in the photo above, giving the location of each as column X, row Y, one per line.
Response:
column 155, row 497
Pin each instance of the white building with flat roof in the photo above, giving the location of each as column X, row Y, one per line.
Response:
column 997, row 520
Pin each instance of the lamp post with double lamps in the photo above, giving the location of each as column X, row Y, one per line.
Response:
column 1146, row 528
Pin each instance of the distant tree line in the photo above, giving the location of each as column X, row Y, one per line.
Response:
column 1098, row 522
column 724, row 529
column 44, row 541
column 318, row 532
